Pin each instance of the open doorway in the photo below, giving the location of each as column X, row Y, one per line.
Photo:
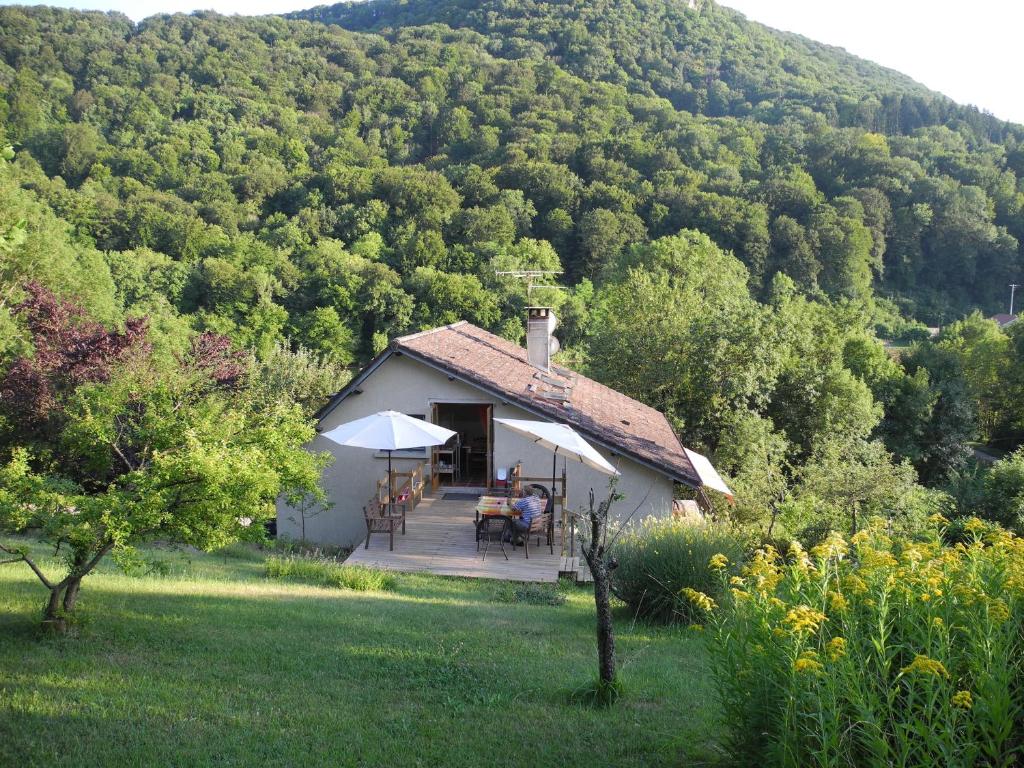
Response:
column 466, row 459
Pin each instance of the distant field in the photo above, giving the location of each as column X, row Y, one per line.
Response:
column 212, row 664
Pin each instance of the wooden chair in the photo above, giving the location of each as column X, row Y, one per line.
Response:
column 381, row 518
column 542, row 523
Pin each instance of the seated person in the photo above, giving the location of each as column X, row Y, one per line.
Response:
column 530, row 504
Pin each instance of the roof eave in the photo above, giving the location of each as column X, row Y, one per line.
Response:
column 352, row 386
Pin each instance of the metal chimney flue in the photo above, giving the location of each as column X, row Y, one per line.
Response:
column 540, row 343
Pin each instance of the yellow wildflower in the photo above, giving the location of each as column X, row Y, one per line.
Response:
column 925, row 597
column 803, row 618
column 998, row 610
column 855, row 585
column 838, row 602
column 937, row 621
column 808, row 663
column 974, row 525
column 860, row 537
column 962, row 700
column 834, row 546
column 937, row 519
column 798, row 556
column 718, row 562
column 923, row 665
column 697, row 627
column 736, row 581
column 699, row 599
column 836, row 648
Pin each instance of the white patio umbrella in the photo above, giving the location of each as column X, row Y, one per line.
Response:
column 562, row 440
column 389, row 431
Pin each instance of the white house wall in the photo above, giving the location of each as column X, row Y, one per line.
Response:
column 406, row 385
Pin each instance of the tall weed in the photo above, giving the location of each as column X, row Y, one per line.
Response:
column 876, row 650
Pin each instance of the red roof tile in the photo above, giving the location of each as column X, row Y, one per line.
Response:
column 609, row 417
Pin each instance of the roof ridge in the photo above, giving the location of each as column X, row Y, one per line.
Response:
column 419, row 334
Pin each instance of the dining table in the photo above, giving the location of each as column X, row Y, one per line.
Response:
column 490, row 506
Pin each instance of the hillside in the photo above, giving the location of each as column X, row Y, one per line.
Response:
column 192, row 136
column 702, row 57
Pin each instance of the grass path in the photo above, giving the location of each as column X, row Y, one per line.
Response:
column 212, row 664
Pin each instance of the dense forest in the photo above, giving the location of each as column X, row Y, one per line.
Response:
column 738, row 215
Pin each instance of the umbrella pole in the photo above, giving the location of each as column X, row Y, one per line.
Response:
column 391, row 482
column 554, row 473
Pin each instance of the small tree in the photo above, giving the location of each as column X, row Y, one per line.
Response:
column 109, row 446
column 596, row 551
column 307, row 506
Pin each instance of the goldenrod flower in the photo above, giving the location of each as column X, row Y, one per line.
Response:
column 937, row 519
column 803, row 618
column 923, row 665
column 834, row 546
column 998, row 610
column 962, row 700
column 974, row 525
column 718, row 562
column 697, row 627
column 836, row 648
column 702, row 601
column 838, row 602
column 808, row 663
column 736, row 581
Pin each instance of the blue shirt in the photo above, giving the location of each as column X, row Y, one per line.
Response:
column 530, row 506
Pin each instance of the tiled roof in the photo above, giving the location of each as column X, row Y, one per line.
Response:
column 501, row 367
column 1003, row 319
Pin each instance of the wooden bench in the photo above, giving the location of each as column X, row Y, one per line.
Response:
column 383, row 518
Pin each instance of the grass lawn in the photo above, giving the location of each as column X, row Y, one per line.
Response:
column 213, row 664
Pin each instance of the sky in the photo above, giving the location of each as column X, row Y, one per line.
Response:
column 972, row 51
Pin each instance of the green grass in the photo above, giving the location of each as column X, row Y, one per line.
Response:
column 211, row 663
column 328, row 572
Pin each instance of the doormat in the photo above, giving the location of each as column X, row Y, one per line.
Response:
column 460, row 496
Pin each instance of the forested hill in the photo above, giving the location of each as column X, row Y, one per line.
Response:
column 702, row 57
column 929, row 192
column 240, row 160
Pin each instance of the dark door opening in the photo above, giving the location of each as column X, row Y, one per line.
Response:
column 466, row 458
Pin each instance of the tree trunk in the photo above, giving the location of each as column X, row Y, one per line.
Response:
column 53, row 618
column 71, row 595
column 605, row 633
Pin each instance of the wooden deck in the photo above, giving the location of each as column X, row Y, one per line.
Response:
column 440, row 539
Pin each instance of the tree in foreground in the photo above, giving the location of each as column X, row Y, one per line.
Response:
column 108, row 446
column 596, row 550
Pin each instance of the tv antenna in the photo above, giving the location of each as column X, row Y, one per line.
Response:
column 531, row 276
column 1013, row 290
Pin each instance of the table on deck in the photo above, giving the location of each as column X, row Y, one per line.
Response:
column 488, row 506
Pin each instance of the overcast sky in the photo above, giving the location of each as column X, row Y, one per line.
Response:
column 972, row 51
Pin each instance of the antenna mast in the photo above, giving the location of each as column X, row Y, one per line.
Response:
column 1013, row 290
column 530, row 277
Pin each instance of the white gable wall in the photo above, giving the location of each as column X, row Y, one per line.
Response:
column 403, row 384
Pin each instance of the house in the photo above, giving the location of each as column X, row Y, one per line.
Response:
column 1003, row 319
column 462, row 377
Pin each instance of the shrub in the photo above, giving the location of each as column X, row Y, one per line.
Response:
column 876, row 651
column 329, row 573
column 662, row 563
